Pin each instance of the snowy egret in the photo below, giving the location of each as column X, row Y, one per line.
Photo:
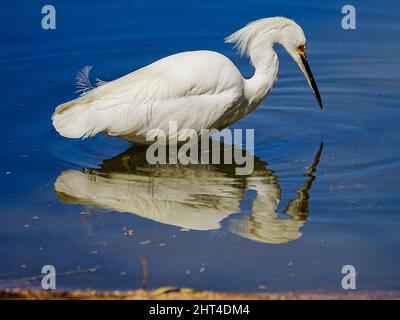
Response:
column 197, row 89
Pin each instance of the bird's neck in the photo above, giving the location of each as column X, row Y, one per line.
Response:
column 265, row 62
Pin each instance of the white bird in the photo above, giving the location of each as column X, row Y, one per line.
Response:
column 197, row 89
column 197, row 197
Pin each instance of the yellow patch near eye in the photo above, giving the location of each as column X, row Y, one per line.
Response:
column 301, row 50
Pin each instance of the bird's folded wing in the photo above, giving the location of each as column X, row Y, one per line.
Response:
column 147, row 85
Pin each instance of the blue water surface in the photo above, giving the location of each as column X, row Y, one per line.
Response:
column 352, row 197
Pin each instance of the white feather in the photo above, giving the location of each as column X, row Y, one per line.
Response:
column 198, row 89
column 82, row 81
column 254, row 33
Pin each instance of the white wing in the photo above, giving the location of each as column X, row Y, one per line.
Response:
column 193, row 88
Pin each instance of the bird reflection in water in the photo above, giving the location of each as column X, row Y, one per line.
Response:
column 193, row 196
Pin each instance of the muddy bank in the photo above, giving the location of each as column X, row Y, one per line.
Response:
column 171, row 293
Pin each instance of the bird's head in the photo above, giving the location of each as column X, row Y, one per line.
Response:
column 259, row 36
column 292, row 38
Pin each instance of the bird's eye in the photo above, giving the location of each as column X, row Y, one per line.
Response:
column 301, row 48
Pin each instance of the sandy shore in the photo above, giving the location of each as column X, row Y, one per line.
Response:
column 171, row 293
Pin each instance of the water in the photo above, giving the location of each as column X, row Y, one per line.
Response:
column 352, row 197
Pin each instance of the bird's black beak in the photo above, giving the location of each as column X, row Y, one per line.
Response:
column 305, row 67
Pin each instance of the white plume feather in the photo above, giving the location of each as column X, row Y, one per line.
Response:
column 252, row 33
column 82, row 81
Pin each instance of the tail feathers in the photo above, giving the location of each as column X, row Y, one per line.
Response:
column 74, row 121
